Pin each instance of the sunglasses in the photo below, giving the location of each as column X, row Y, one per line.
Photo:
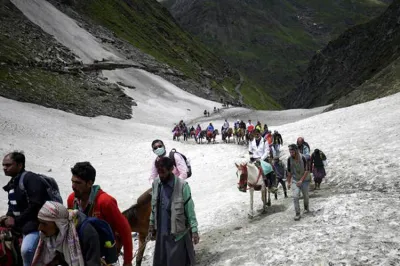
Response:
column 157, row 147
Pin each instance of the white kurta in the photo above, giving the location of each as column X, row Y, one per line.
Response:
column 259, row 152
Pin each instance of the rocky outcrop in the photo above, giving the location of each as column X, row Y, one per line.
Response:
column 357, row 56
column 35, row 68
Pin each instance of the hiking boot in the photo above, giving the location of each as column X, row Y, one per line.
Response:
column 297, row 217
column 306, row 211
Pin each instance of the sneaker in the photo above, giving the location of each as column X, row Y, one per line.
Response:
column 297, row 217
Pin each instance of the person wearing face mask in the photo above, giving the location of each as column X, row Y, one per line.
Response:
column 180, row 167
column 173, row 222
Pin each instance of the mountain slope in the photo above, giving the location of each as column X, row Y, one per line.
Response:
column 362, row 64
column 270, row 41
column 149, row 26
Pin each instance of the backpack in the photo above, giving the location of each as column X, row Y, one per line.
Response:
column 319, row 160
column 51, row 187
column 9, row 248
column 305, row 143
column 279, row 170
column 172, row 157
column 108, row 250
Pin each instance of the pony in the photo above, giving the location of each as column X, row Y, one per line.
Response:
column 138, row 216
column 227, row 135
column 202, row 136
column 249, row 137
column 177, row 134
column 192, row 133
column 240, row 135
column 210, row 136
column 251, row 176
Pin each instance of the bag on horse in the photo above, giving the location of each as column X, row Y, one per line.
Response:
column 10, row 246
column 51, row 187
column 108, row 249
column 172, row 157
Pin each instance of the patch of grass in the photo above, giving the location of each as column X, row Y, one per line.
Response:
column 11, row 51
column 64, row 92
column 257, row 97
column 150, row 27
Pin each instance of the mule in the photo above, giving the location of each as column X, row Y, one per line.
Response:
column 226, row 136
column 138, row 216
column 202, row 136
column 177, row 135
column 192, row 134
column 252, row 175
column 240, row 134
column 249, row 137
column 211, row 136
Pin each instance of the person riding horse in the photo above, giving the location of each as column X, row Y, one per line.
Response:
column 259, row 151
column 224, row 128
column 210, row 129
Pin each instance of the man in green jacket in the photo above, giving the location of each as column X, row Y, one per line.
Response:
column 173, row 221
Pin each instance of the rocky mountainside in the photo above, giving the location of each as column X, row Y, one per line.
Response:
column 361, row 65
column 270, row 41
column 35, row 68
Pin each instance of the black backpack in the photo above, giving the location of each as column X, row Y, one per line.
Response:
column 51, row 187
column 172, row 157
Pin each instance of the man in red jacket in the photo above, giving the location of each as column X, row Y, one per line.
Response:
column 94, row 202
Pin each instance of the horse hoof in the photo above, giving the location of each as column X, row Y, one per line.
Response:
column 268, row 203
column 264, row 211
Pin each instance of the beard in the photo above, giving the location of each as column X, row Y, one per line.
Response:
column 166, row 179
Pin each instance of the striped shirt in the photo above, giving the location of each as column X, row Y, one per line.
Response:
column 12, row 203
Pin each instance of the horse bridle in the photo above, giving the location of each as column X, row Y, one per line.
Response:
column 245, row 172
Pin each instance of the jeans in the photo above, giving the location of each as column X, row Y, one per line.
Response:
column 28, row 247
column 296, row 195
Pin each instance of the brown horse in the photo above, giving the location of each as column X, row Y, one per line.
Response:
column 138, row 216
column 212, row 135
column 227, row 135
column 240, row 134
column 177, row 135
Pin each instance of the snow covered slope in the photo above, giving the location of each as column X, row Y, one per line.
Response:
column 354, row 218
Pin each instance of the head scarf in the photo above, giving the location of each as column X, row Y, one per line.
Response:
column 65, row 242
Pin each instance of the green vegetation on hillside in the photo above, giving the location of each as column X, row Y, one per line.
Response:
column 149, row 26
column 30, row 72
column 271, row 41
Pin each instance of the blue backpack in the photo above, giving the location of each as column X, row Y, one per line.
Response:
column 108, row 250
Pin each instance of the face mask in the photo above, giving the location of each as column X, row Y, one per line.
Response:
column 160, row 151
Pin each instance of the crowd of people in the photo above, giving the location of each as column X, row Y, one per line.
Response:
column 76, row 234
column 54, row 234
